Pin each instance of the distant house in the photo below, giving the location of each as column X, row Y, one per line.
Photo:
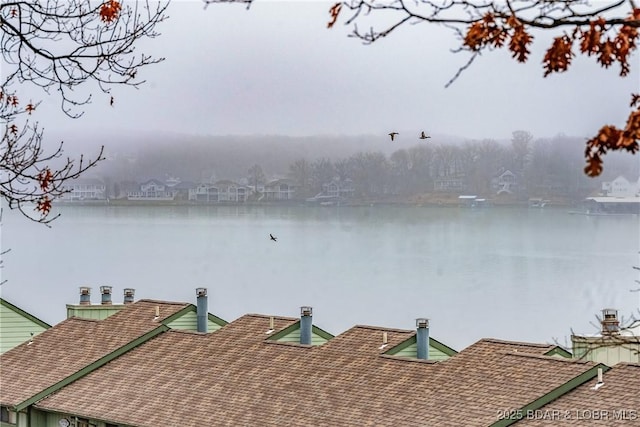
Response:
column 505, row 183
column 621, row 187
column 221, row 191
column 339, row 188
column 280, row 189
column 152, row 190
column 183, row 189
column 17, row 326
column 85, row 189
column 450, row 183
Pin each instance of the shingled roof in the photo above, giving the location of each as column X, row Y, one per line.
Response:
column 237, row 376
column 615, row 402
column 52, row 357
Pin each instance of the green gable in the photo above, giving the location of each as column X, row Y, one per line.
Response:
column 559, row 352
column 409, row 348
column 16, row 326
column 292, row 334
column 188, row 321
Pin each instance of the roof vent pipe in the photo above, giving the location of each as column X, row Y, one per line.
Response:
column 85, row 295
column 128, row 295
column 106, row 294
column 202, row 309
column 306, row 315
column 422, row 338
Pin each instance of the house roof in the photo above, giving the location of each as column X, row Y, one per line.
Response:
column 616, row 402
column 72, row 345
column 237, row 376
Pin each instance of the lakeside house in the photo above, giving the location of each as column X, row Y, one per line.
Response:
column 152, row 190
column 84, row 189
column 505, row 183
column 621, row 187
column 158, row 363
column 220, row 191
column 280, row 190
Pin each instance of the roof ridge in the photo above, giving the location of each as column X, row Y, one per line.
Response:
column 543, row 357
column 267, row 316
column 382, row 328
column 506, row 342
column 163, row 302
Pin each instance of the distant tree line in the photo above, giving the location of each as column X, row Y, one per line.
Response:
column 544, row 167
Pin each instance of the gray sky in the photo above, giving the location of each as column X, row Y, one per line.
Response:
column 277, row 69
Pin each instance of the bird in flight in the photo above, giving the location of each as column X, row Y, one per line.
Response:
column 275, row 239
column 393, row 135
column 423, row 136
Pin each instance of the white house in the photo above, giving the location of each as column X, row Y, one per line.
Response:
column 85, row 189
column 152, row 190
column 621, row 187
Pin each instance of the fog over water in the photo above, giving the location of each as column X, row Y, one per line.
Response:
column 509, row 273
column 275, row 71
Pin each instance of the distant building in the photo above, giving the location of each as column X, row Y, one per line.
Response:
column 450, row 183
column 219, row 192
column 621, row 187
column 81, row 189
column 505, row 183
column 153, row 190
column 279, row 190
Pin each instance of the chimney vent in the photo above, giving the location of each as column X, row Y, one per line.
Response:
column 128, row 295
column 422, row 338
column 106, row 294
column 306, row 317
column 610, row 323
column 85, row 295
column 201, row 309
column 271, row 325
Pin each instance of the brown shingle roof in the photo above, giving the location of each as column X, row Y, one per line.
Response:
column 73, row 344
column 234, row 376
column 616, row 402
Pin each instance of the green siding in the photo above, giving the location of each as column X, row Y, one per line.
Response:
column 15, row 328
column 294, row 337
column 189, row 322
column 94, row 312
column 412, row 351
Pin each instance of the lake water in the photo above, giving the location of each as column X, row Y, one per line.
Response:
column 509, row 273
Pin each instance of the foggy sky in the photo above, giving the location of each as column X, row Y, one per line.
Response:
column 277, row 69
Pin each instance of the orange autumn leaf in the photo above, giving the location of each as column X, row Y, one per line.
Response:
column 13, row 129
column 558, row 56
column 590, row 39
column 44, row 205
column 30, row 108
column 110, row 10
column 334, row 12
column 44, row 178
column 13, row 100
column 519, row 42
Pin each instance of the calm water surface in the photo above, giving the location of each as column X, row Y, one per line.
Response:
column 519, row 274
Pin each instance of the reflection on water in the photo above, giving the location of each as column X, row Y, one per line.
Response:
column 525, row 274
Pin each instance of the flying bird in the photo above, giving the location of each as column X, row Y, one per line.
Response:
column 423, row 136
column 275, row 239
column 393, row 135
